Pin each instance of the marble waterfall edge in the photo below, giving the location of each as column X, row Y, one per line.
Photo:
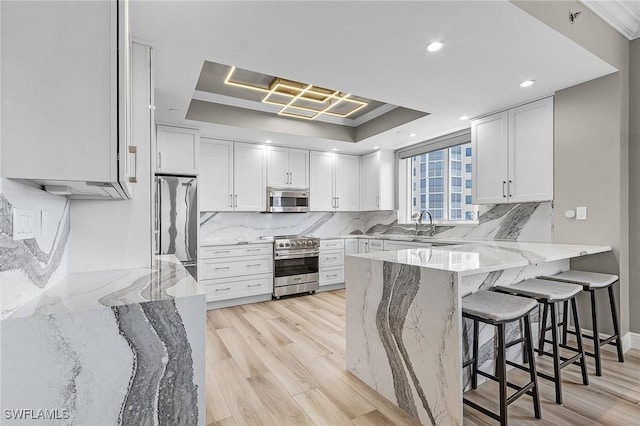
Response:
column 398, row 332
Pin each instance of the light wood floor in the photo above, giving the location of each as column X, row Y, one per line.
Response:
column 282, row 363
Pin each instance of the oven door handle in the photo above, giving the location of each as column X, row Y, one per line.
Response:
column 314, row 253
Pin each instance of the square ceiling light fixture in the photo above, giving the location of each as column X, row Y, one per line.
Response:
column 301, row 100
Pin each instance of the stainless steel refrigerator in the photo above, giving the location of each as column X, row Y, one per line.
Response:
column 177, row 219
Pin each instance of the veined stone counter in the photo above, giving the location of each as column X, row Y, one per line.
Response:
column 405, row 334
column 111, row 347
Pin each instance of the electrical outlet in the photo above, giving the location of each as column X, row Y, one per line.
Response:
column 581, row 213
column 24, row 223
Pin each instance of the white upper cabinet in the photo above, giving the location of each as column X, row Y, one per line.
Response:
column 513, row 155
column 249, row 177
column 347, row 182
column 322, row 176
column 287, row 167
column 216, row 175
column 177, row 150
column 378, row 181
column 334, row 182
column 232, row 176
column 66, row 89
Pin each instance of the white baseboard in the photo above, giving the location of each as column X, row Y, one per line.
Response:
column 629, row 340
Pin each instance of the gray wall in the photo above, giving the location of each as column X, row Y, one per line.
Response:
column 592, row 147
column 634, row 184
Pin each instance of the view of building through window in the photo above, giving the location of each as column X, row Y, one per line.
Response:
column 441, row 183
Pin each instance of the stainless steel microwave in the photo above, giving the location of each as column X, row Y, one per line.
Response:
column 287, row 200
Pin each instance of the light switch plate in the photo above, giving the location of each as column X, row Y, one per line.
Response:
column 24, row 223
column 581, row 213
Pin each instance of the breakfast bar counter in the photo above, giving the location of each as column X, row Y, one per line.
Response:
column 405, row 334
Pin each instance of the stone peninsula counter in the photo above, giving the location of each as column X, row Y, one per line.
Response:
column 405, row 334
column 112, row 347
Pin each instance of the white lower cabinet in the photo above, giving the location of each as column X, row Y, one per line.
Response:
column 331, row 262
column 236, row 271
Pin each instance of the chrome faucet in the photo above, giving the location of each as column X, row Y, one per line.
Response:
column 432, row 227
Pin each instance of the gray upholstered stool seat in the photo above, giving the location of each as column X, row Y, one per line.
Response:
column 585, row 279
column 551, row 291
column 590, row 282
column 496, row 307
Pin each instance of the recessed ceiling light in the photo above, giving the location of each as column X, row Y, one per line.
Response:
column 527, row 83
column 173, row 109
column 435, row 46
column 412, row 135
column 267, row 141
column 464, row 117
column 376, row 147
column 334, row 149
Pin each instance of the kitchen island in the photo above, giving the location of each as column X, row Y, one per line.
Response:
column 110, row 347
column 405, row 334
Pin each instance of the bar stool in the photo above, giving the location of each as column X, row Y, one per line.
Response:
column 549, row 293
column 499, row 309
column 592, row 281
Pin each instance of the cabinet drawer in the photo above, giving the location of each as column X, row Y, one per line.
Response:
column 331, row 276
column 332, row 244
column 215, row 252
column 375, row 245
column 233, row 267
column 232, row 288
column 332, row 258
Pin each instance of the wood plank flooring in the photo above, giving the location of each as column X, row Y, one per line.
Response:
column 283, row 363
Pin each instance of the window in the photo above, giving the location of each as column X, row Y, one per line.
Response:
column 438, row 184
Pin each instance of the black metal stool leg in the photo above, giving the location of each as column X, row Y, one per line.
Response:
column 565, row 321
column 502, row 374
column 556, row 353
column 583, row 361
column 474, row 365
column 596, row 334
column 525, row 353
column 616, row 328
column 543, row 328
column 532, row 366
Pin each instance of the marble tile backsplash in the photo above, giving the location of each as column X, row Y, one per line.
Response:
column 30, row 265
column 512, row 222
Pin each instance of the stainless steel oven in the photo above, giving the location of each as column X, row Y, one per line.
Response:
column 287, row 200
column 295, row 266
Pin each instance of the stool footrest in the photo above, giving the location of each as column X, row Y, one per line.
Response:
column 481, row 409
column 525, row 389
column 515, row 342
column 510, row 384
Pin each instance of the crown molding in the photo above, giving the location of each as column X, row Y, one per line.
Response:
column 623, row 15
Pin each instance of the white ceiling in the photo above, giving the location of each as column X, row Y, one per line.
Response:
column 623, row 15
column 375, row 49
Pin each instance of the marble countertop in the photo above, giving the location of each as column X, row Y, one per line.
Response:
column 475, row 257
column 167, row 279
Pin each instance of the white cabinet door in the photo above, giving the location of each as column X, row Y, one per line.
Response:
column 177, row 150
column 321, row 181
column 299, row 168
column 347, row 182
column 489, row 163
column 216, row 175
column 249, row 177
column 278, row 166
column 370, row 181
column 531, row 152
column 351, row 246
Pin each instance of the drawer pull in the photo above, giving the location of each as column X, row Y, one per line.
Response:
column 253, row 265
column 254, row 285
column 332, row 275
column 223, row 251
column 297, row 279
column 221, row 267
column 255, row 249
column 222, row 289
column 332, row 258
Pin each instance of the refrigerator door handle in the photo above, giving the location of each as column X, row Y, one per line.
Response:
column 158, row 213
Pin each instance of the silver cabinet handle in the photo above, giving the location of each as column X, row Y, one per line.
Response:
column 337, row 202
column 333, row 202
column 254, row 249
column 253, row 265
column 222, row 251
column 222, row 289
column 509, row 187
column 221, row 267
column 378, row 201
column 504, row 194
column 332, row 258
column 291, row 178
column 159, row 160
column 254, row 285
column 332, row 275
column 134, row 150
column 297, row 279
column 236, row 203
column 230, row 200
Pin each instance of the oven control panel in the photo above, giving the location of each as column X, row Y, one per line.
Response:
column 297, row 244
